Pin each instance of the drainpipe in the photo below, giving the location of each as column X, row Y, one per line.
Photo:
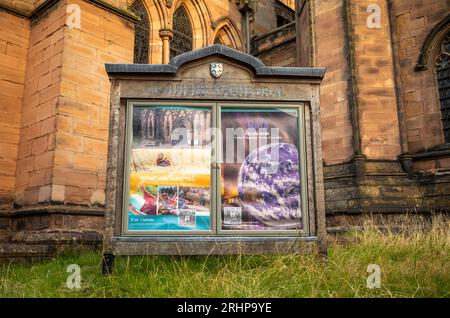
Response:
column 247, row 29
column 405, row 157
column 246, row 7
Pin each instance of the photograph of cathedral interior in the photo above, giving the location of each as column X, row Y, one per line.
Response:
column 384, row 103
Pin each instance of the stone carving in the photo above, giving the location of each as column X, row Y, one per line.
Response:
column 166, row 34
column 216, row 70
column 245, row 5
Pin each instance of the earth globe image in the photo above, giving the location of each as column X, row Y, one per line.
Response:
column 269, row 185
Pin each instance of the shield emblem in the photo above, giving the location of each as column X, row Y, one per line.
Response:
column 216, row 69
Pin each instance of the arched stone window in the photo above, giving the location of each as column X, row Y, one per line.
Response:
column 141, row 33
column 223, row 37
column 218, row 40
column 226, row 33
column 182, row 33
column 443, row 78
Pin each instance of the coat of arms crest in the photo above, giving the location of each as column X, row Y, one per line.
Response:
column 216, row 69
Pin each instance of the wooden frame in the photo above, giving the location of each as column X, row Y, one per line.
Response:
column 300, row 107
column 130, row 105
column 245, row 82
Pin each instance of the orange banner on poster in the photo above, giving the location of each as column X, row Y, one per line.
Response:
column 177, row 178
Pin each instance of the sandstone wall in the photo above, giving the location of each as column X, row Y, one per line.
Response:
column 304, row 33
column 264, row 19
column 283, row 55
column 337, row 132
column 63, row 144
column 42, row 84
column 375, row 83
column 419, row 88
column 83, row 110
column 14, row 36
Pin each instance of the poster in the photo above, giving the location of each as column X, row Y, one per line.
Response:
column 170, row 169
column 260, row 173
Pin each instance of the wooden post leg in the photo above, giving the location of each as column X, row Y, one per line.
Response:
column 107, row 264
column 323, row 248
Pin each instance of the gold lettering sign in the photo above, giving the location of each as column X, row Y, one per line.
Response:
column 203, row 89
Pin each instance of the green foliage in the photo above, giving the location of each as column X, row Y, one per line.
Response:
column 413, row 264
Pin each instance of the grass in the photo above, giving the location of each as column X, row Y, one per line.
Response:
column 413, row 263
